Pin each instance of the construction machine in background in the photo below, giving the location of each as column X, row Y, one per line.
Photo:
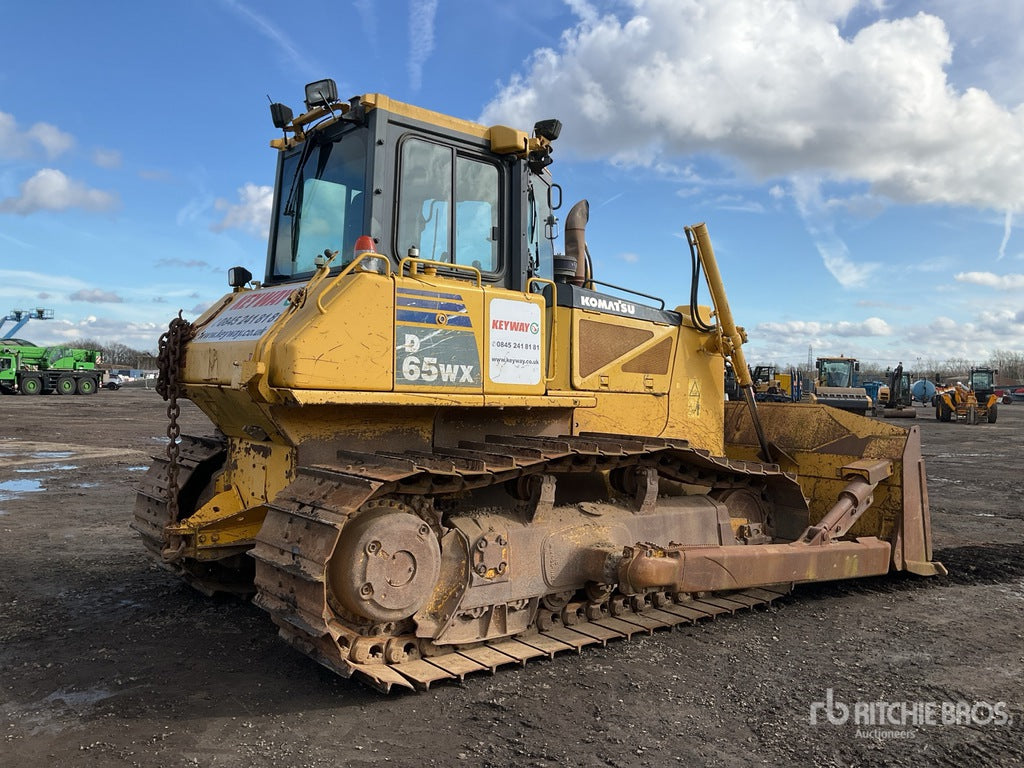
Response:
column 836, row 384
column 770, row 386
column 973, row 403
column 444, row 447
column 896, row 398
column 28, row 369
column 20, row 317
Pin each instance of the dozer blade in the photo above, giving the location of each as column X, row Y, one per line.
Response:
column 820, row 442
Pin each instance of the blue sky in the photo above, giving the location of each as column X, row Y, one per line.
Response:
column 860, row 165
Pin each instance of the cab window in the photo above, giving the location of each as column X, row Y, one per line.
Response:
column 448, row 206
column 320, row 205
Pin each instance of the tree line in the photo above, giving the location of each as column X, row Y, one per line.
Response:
column 115, row 355
column 1010, row 366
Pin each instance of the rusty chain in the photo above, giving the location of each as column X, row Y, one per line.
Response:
column 171, row 358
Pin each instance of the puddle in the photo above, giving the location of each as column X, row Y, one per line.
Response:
column 78, row 700
column 164, row 439
column 48, row 468
column 52, row 455
column 86, row 485
column 9, row 489
column 137, row 469
column 21, row 486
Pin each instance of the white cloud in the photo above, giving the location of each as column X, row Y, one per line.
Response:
column 777, row 87
column 107, row 158
column 807, row 330
column 1002, row 318
column 96, row 296
column 737, row 203
column 14, row 282
column 18, row 144
column 273, row 33
column 422, row 14
column 817, row 214
column 991, row 280
column 50, row 190
column 53, row 140
column 783, row 341
column 366, row 15
column 183, row 263
column 252, row 213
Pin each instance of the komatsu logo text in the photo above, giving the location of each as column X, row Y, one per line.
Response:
column 608, row 305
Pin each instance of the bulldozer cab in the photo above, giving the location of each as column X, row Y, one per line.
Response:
column 764, row 375
column 465, row 237
column 453, row 199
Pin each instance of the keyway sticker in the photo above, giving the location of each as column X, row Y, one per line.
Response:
column 514, row 342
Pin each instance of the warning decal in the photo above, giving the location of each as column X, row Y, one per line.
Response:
column 694, row 400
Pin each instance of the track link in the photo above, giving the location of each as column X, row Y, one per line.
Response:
column 421, row 673
column 305, row 521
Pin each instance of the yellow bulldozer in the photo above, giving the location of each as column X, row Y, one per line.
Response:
column 444, row 446
column 773, row 386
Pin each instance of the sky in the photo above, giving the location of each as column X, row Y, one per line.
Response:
column 859, row 164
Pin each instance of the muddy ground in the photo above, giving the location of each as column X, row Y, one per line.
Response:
column 107, row 660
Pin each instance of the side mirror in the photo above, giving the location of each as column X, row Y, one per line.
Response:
column 281, row 115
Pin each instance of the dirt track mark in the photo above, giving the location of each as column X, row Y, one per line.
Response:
column 21, row 453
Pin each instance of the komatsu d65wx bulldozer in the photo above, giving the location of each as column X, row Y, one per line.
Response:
column 443, row 447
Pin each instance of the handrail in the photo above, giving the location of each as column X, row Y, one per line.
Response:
column 628, row 290
column 347, row 270
column 554, row 314
column 415, row 261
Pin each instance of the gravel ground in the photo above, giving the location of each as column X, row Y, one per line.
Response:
column 108, row 660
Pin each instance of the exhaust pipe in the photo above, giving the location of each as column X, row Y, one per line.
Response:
column 576, row 241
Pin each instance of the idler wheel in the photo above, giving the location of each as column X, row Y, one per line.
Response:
column 744, row 503
column 386, row 564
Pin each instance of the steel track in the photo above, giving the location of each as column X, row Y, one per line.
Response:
column 305, row 521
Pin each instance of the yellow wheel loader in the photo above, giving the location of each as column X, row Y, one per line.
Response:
column 443, row 446
column 972, row 404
